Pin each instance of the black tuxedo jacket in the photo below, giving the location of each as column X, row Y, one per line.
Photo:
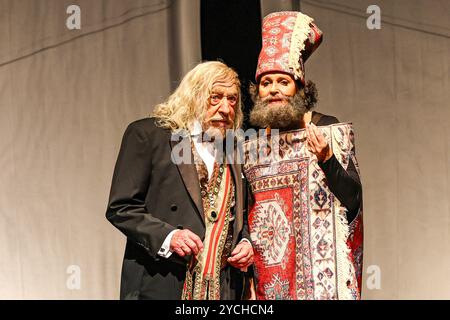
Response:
column 151, row 196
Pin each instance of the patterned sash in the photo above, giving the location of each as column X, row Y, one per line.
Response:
column 203, row 276
column 304, row 247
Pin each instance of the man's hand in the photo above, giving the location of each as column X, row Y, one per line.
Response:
column 185, row 242
column 242, row 256
column 317, row 143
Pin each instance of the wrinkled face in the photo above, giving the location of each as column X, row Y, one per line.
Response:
column 275, row 87
column 220, row 115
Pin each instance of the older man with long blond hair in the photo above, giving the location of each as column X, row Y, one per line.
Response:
column 186, row 234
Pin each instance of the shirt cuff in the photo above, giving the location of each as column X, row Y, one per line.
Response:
column 245, row 239
column 165, row 251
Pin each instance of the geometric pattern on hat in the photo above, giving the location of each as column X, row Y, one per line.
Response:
column 288, row 40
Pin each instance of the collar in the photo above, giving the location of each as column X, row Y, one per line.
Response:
column 196, row 129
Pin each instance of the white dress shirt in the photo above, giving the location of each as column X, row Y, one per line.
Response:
column 207, row 151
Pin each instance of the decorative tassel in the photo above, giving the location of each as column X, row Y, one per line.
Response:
column 345, row 267
column 299, row 36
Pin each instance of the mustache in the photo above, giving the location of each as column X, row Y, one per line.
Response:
column 283, row 117
column 220, row 118
column 278, row 96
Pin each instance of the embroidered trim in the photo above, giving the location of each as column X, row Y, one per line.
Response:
column 345, row 267
column 299, row 36
column 203, row 276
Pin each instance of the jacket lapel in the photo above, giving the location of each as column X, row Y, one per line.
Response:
column 188, row 173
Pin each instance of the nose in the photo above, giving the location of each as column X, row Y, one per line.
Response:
column 274, row 89
column 224, row 106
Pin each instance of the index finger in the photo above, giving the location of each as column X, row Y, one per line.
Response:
column 313, row 134
column 316, row 130
column 320, row 137
column 237, row 249
column 307, row 133
column 196, row 239
column 242, row 254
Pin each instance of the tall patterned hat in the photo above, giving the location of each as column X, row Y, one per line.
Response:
column 288, row 40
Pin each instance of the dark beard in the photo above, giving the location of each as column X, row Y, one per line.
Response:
column 284, row 117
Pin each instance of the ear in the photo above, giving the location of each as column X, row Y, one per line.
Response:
column 302, row 93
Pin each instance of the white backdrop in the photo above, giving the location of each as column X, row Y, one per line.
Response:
column 394, row 85
column 66, row 97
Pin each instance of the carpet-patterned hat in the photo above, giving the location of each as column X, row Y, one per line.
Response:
column 288, row 40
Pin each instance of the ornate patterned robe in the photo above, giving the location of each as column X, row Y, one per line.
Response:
column 304, row 247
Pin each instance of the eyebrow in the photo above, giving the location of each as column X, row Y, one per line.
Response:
column 223, row 91
column 275, row 79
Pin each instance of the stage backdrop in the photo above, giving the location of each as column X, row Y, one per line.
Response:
column 66, row 97
column 393, row 84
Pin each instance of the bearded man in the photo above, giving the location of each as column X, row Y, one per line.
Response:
column 305, row 220
column 183, row 219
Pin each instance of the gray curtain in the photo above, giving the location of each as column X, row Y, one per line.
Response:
column 393, row 84
column 66, row 97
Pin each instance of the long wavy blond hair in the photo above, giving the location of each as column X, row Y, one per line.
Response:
column 190, row 100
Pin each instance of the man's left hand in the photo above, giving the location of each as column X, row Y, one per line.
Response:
column 242, row 256
column 317, row 143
